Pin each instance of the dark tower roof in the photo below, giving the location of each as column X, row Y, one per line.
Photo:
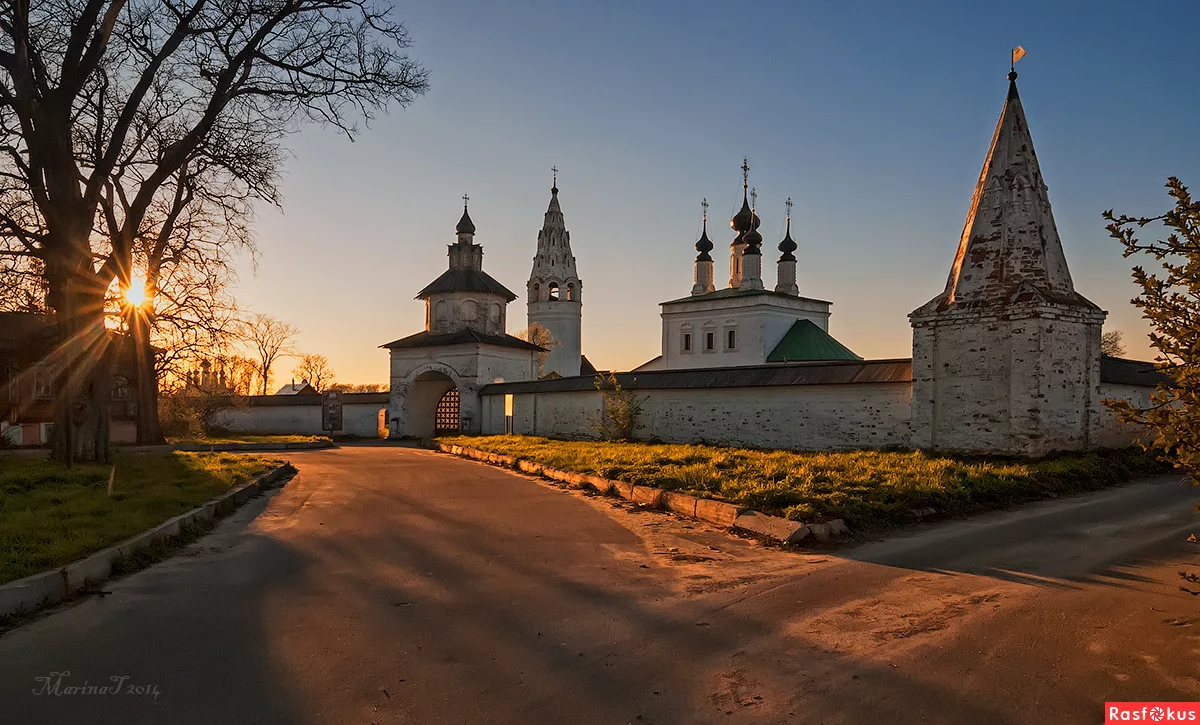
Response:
column 704, row 245
column 788, row 246
column 465, row 225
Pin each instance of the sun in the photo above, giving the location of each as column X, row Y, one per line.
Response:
column 136, row 294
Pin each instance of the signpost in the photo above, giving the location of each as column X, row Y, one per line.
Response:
column 331, row 410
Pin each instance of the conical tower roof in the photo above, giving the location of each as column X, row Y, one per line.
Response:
column 1010, row 250
column 554, row 260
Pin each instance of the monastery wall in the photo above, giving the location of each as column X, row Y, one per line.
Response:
column 799, row 417
column 267, row 415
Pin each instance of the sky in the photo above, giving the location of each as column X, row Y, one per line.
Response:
column 874, row 117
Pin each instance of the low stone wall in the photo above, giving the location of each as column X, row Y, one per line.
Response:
column 301, row 415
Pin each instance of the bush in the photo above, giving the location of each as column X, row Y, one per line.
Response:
column 177, row 416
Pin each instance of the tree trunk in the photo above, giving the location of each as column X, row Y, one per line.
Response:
column 82, row 365
column 149, row 431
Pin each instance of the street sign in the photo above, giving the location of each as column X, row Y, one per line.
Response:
column 331, row 410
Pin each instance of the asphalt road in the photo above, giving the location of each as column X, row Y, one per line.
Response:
column 390, row 585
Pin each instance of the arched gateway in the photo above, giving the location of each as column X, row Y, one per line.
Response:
column 436, row 374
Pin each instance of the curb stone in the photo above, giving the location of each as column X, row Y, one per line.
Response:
column 721, row 513
column 27, row 595
column 252, row 447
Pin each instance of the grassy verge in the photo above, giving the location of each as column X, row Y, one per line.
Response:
column 238, row 438
column 51, row 515
column 871, row 490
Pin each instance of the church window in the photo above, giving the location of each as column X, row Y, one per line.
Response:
column 553, row 290
column 570, row 292
column 535, row 294
column 43, row 383
column 731, row 340
column 496, row 312
column 687, row 342
column 710, row 341
column 470, row 310
column 439, row 312
column 120, row 389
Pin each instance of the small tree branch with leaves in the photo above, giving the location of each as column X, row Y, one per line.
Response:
column 1170, row 301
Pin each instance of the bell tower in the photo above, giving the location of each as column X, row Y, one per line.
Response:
column 556, row 292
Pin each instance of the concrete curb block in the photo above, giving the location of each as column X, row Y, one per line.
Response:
column 720, row 513
column 772, row 527
column 252, row 447
column 31, row 593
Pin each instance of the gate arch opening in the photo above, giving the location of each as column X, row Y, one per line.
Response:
column 425, row 412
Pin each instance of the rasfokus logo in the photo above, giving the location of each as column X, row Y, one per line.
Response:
column 1165, row 712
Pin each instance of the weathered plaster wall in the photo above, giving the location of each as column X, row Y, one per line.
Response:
column 802, row 417
column 1024, row 382
column 358, row 419
column 759, row 323
column 1110, row 431
column 452, row 311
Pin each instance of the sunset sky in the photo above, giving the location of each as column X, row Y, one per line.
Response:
column 873, row 116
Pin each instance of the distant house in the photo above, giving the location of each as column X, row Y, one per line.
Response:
column 301, row 388
column 27, row 343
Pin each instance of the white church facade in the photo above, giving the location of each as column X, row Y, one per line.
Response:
column 1006, row 359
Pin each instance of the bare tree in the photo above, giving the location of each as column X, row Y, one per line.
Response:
column 315, row 370
column 1111, row 344
column 539, row 335
column 269, row 339
column 103, row 102
column 360, row 388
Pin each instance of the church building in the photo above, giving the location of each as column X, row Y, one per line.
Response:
column 436, row 374
column 745, row 323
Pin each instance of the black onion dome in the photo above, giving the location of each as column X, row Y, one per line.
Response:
column 465, row 225
column 753, row 241
column 744, row 219
column 704, row 245
column 788, row 245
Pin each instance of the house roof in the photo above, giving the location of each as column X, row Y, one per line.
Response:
column 585, row 366
column 466, row 280
column 1119, row 371
column 18, row 329
column 301, row 388
column 730, row 293
column 806, row 341
column 465, row 336
column 830, row 372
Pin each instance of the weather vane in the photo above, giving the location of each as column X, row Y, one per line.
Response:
column 1017, row 54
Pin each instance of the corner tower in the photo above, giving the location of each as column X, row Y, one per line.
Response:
column 1007, row 358
column 556, row 292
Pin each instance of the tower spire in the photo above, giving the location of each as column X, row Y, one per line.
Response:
column 703, row 276
column 1009, row 244
column 786, row 268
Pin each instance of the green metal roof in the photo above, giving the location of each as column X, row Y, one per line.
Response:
column 806, row 341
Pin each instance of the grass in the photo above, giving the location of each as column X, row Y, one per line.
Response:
column 870, row 490
column 51, row 515
column 239, row 438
